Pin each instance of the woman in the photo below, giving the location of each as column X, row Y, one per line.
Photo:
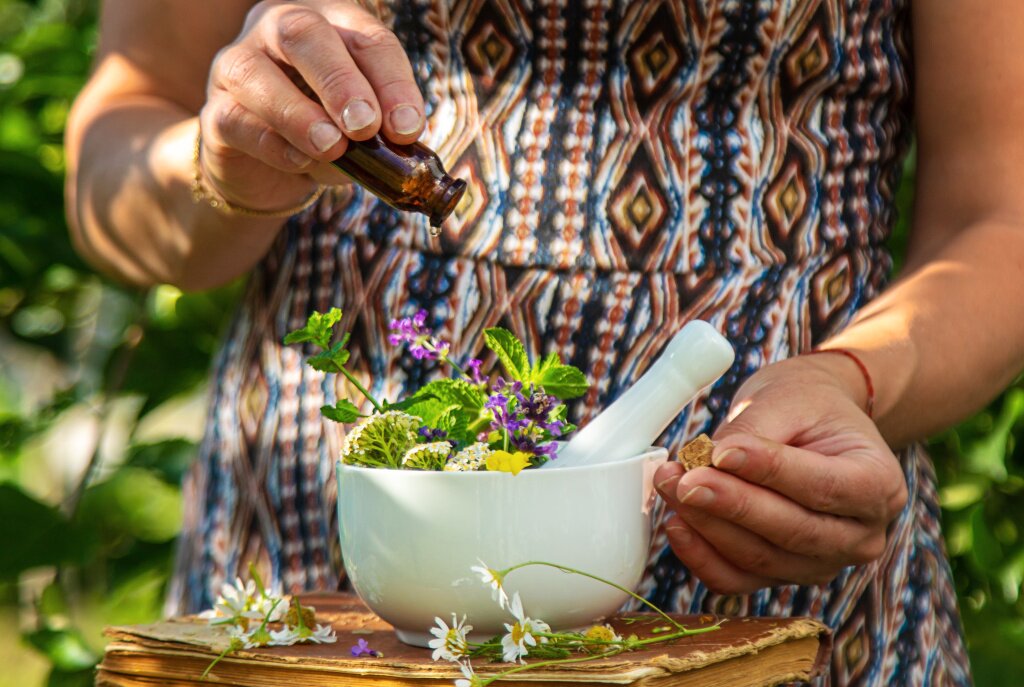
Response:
column 631, row 166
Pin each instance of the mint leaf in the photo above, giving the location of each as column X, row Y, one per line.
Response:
column 563, row 381
column 344, row 411
column 511, row 352
column 539, row 367
column 449, row 404
column 331, row 360
column 319, row 329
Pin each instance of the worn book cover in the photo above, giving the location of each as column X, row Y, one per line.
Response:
column 745, row 652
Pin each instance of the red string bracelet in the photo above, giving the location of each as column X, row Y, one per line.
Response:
column 863, row 370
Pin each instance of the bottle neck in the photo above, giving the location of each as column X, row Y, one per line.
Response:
column 447, row 194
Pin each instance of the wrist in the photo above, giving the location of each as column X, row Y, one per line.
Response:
column 853, row 374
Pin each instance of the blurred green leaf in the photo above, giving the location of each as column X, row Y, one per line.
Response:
column 65, row 648
column 985, row 550
column 962, row 494
column 134, row 502
column 34, row 534
column 169, row 459
column 987, row 454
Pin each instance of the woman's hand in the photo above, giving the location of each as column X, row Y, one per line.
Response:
column 262, row 133
column 803, row 486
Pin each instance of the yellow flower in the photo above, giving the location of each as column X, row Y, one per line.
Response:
column 503, row 461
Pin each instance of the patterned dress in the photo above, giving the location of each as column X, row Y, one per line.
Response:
column 631, row 166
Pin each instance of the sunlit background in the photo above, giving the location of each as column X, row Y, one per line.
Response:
column 101, row 406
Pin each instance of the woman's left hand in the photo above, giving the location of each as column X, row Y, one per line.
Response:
column 804, row 485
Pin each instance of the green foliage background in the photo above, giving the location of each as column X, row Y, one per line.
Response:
column 101, row 396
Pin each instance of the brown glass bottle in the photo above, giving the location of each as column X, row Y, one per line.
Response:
column 407, row 177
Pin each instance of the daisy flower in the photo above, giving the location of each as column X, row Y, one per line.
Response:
column 470, row 679
column 521, row 633
column 450, row 643
column 234, row 600
column 285, row 637
column 492, row 577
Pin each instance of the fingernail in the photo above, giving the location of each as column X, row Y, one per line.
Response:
column 680, row 534
column 698, row 496
column 324, row 136
column 660, row 486
column 730, row 459
column 297, row 157
column 358, row 115
column 405, row 119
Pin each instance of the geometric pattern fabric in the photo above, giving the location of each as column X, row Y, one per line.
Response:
column 630, row 166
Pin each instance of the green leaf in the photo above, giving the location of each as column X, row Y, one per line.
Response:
column 510, row 352
column 547, row 362
column 449, row 404
column 65, row 648
column 963, row 494
column 563, row 381
column 331, row 360
column 135, row 503
column 343, row 411
column 987, row 456
column 319, row 329
column 34, row 534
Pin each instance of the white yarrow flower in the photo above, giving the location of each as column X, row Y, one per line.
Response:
column 521, row 633
column 450, row 643
column 493, row 578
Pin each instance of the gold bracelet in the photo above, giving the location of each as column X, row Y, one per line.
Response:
column 200, row 193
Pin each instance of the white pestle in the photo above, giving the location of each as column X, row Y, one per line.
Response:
column 694, row 359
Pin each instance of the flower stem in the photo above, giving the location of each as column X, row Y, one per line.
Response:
column 567, row 569
column 362, row 389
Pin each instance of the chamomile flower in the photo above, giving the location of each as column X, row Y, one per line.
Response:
column 494, row 579
column 269, row 608
column 450, row 643
column 234, row 600
column 521, row 633
column 284, row 637
column 602, row 635
column 470, row 678
column 323, row 634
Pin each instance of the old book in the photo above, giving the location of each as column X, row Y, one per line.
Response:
column 745, row 652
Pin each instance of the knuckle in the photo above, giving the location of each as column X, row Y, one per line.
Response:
column 741, row 509
column 869, row 550
column 756, row 560
column 825, row 497
column 296, row 26
column 773, row 467
column 336, row 80
column 804, row 538
column 897, row 500
column 375, row 38
column 237, row 66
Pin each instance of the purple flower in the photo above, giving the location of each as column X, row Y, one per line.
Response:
column 474, row 370
column 430, row 434
column 422, row 343
column 362, row 648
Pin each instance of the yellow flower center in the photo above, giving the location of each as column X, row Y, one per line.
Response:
column 518, row 632
column 599, row 633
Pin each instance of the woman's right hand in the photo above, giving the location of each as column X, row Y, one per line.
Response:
column 262, row 135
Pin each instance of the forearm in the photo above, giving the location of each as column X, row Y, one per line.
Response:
column 946, row 337
column 130, row 205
